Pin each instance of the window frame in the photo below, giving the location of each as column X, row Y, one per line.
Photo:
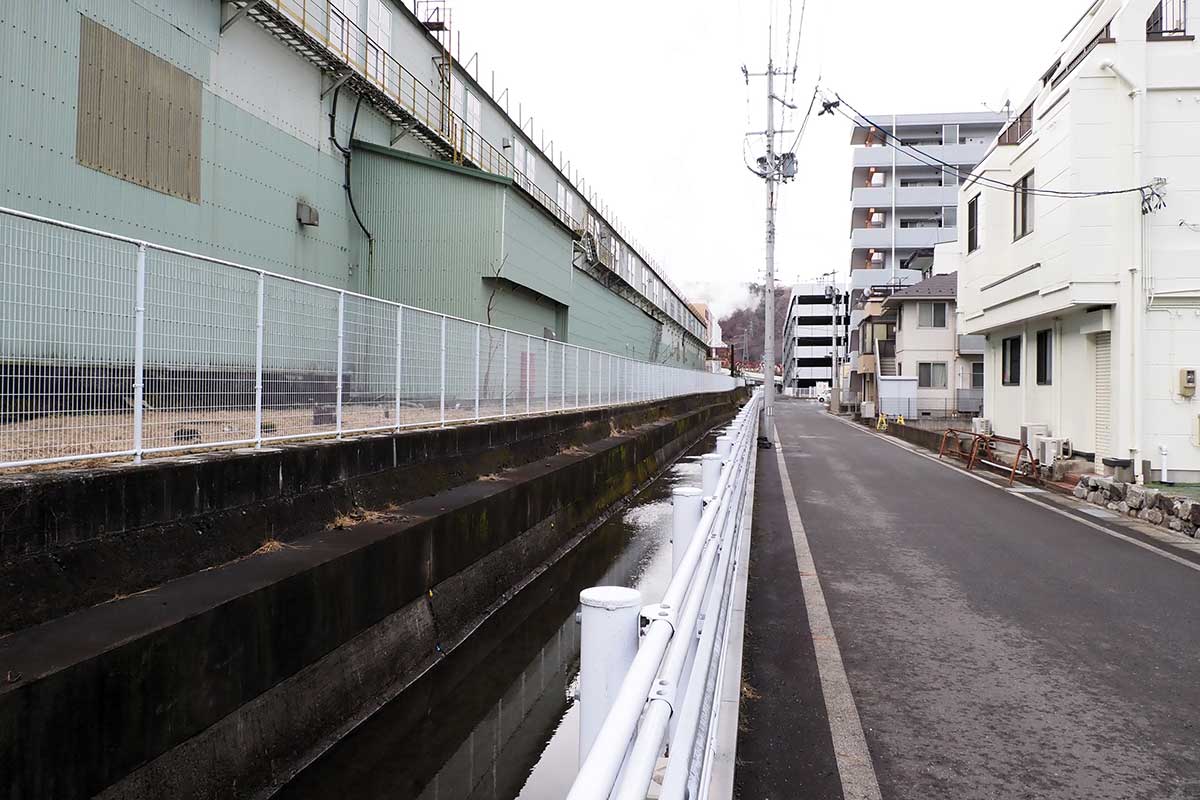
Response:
column 1010, row 371
column 1045, row 357
column 973, row 224
column 982, row 372
column 932, row 305
column 932, row 369
column 1023, row 207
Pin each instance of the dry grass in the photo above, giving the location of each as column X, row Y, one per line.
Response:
column 491, row 476
column 749, row 692
column 270, row 546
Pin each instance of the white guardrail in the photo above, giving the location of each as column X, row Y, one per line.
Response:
column 643, row 695
column 114, row 347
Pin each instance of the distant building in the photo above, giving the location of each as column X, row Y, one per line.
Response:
column 813, row 328
column 902, row 206
column 1089, row 304
column 948, row 366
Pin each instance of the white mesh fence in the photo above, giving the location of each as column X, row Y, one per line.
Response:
column 113, row 347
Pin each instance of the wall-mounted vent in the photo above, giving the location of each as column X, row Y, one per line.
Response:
column 139, row 116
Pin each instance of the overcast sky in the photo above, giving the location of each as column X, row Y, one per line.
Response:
column 647, row 100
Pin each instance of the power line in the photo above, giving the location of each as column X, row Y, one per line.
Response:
column 1152, row 199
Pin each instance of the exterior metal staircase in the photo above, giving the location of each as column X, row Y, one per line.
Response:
column 886, row 362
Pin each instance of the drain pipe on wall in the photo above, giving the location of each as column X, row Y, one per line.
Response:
column 1136, row 310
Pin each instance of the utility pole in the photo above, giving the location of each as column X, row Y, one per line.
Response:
column 774, row 169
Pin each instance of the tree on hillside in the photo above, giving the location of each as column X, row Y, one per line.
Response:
column 743, row 327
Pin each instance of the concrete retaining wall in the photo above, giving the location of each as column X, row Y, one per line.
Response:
column 72, row 538
column 219, row 683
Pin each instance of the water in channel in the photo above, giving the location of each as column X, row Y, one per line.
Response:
column 495, row 719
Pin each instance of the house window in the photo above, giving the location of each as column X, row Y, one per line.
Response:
column 1023, row 207
column 973, row 224
column 1045, row 359
column 976, row 374
column 931, row 375
column 1168, row 19
column 931, row 315
column 1021, row 127
column 1011, row 352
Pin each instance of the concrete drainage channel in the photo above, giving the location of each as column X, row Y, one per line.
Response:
column 221, row 683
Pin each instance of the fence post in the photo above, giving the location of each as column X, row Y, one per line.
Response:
column 442, row 400
column 139, row 350
column 258, row 362
column 478, row 328
column 341, row 337
column 399, row 358
column 608, row 644
column 589, row 352
column 546, row 380
column 504, row 388
column 577, row 377
column 562, row 384
column 528, row 369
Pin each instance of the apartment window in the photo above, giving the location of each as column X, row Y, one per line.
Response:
column 931, row 375
column 1011, row 353
column 1023, row 207
column 949, row 134
column 138, row 116
column 931, row 315
column 976, row 374
column 950, row 217
column 949, row 176
column 1045, row 358
column 973, row 224
column 1021, row 127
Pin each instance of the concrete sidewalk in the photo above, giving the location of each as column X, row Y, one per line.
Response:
column 994, row 647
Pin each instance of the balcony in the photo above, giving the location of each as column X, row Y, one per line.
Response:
column 881, row 156
column 906, row 238
column 906, row 196
column 969, row 401
column 971, row 344
column 866, row 364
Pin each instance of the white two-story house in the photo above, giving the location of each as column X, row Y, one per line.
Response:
column 1087, row 289
column 948, row 366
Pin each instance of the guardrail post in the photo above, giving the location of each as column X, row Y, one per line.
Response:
column 399, row 359
column 710, row 472
column 562, row 384
column 528, row 369
column 608, row 644
column 443, row 372
column 478, row 329
column 687, row 504
column 546, row 380
column 504, row 388
column 341, row 336
column 139, row 350
column 724, row 445
column 258, row 361
column 589, row 378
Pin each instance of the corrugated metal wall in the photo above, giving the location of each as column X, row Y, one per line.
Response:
column 437, row 232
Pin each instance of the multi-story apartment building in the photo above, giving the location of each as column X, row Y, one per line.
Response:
column 903, row 204
column 340, row 141
column 816, row 320
column 1090, row 299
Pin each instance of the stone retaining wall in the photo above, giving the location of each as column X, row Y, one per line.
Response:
column 1149, row 505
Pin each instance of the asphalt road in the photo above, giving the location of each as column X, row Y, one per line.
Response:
column 994, row 648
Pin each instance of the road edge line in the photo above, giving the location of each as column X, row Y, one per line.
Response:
column 1158, row 551
column 855, row 768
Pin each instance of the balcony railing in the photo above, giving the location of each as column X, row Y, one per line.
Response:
column 1168, row 20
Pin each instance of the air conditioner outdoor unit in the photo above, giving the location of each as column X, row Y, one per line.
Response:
column 866, row 409
column 1050, row 449
column 981, row 426
column 1031, row 432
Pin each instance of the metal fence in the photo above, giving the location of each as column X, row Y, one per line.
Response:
column 115, row 347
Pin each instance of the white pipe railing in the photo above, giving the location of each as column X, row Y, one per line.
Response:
column 116, row 347
column 622, row 759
